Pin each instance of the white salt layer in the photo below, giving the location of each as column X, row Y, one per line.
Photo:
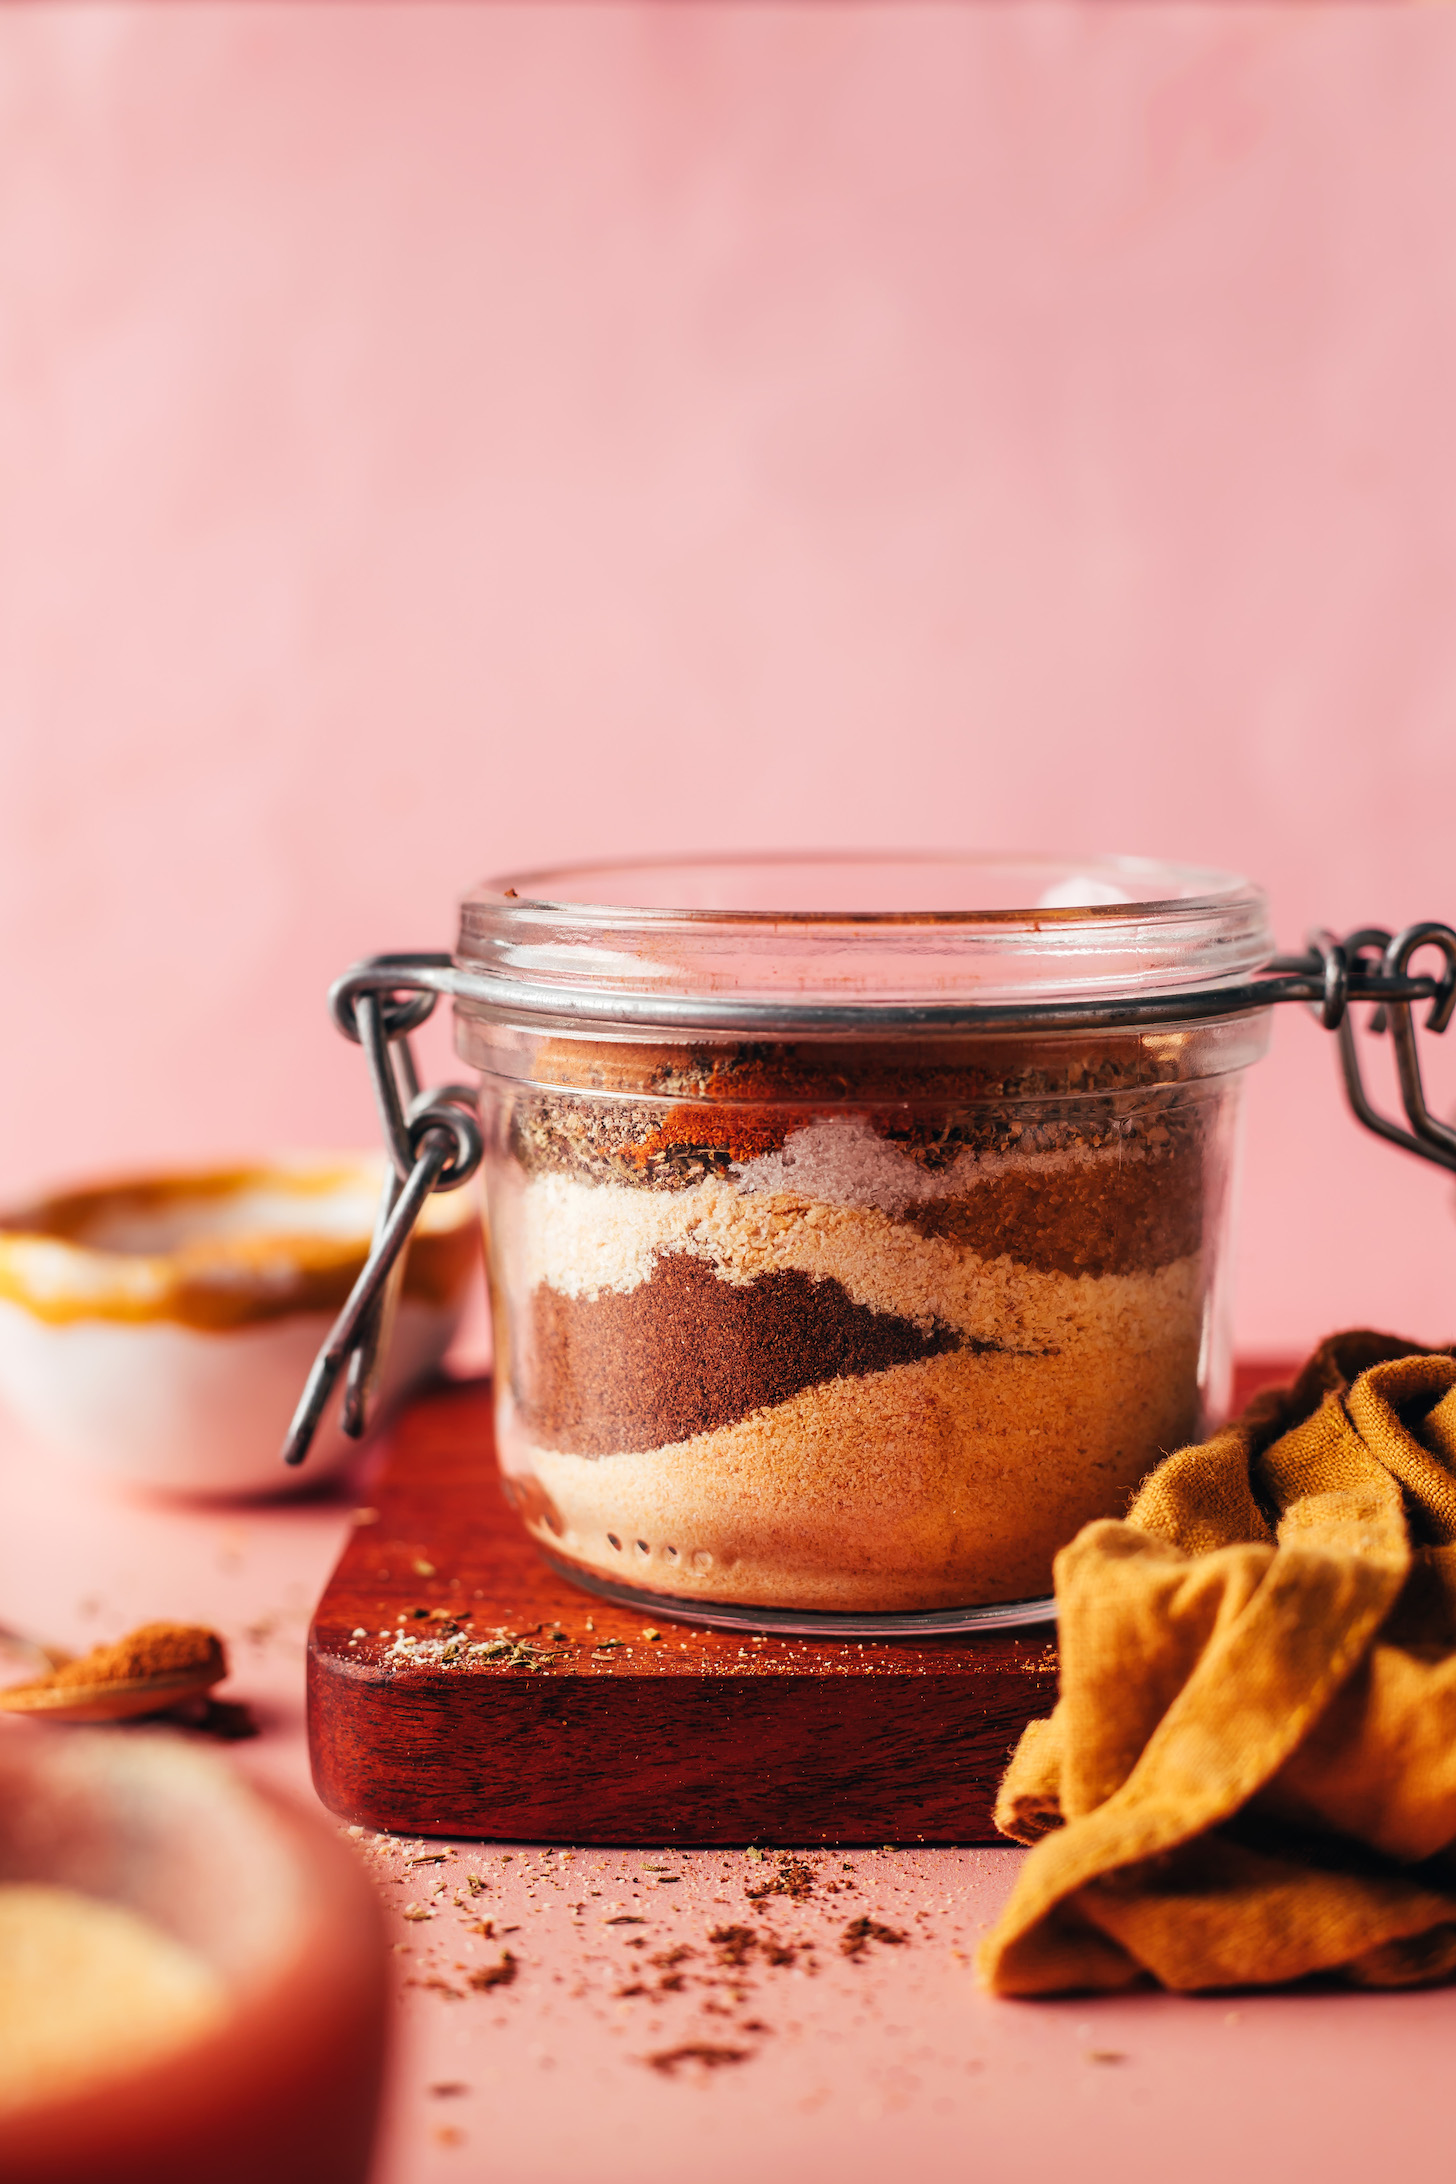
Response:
column 847, row 1163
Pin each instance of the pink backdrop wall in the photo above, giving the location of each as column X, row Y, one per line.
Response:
column 436, row 439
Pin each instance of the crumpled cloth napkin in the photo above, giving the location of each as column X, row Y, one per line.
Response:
column 1250, row 1773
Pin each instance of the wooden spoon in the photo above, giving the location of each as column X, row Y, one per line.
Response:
column 144, row 1673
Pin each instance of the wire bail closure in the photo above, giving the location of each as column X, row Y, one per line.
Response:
column 434, row 1144
column 1389, row 959
column 434, row 1140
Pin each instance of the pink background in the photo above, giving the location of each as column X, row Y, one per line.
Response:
column 437, row 439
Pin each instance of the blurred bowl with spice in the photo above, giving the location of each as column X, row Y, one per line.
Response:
column 192, row 1974
column 156, row 1330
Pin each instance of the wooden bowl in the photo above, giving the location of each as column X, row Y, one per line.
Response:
column 285, row 2088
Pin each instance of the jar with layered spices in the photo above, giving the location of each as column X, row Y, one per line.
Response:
column 833, row 1272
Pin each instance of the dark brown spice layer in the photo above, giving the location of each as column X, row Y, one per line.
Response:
column 685, row 1353
column 1128, row 1217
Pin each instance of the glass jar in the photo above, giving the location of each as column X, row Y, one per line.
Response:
column 809, row 1297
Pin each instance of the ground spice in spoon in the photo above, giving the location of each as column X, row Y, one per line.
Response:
column 149, row 1669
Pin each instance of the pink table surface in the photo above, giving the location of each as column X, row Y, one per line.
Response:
column 887, row 2065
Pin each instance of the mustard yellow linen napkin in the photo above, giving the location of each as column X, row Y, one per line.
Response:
column 1250, row 1772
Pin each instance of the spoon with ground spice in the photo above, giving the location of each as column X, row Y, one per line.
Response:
column 147, row 1671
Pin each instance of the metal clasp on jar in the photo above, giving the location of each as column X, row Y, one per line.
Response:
column 434, row 1140
column 434, row 1144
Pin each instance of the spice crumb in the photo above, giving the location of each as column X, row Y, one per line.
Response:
column 495, row 1975
column 669, row 2060
column 794, row 1878
column 859, row 1933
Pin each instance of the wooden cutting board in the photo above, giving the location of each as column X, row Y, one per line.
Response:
column 594, row 1731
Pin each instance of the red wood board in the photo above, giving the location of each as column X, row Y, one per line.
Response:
column 697, row 1736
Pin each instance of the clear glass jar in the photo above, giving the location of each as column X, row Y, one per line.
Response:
column 810, row 1297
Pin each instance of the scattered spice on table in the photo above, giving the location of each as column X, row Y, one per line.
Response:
column 794, row 1878
column 495, row 1975
column 734, row 1944
column 710, row 1984
column 668, row 2060
column 859, row 1933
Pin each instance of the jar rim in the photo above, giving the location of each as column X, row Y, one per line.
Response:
column 1163, row 886
column 780, row 938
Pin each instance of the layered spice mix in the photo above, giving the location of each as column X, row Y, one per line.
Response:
column 848, row 1328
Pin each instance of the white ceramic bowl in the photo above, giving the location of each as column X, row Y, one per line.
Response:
column 159, row 1330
